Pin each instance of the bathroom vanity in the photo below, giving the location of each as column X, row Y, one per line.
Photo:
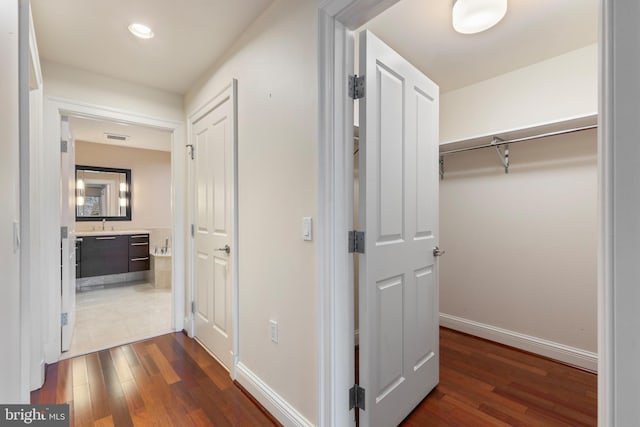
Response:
column 101, row 253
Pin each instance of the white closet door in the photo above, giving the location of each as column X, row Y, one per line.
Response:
column 214, row 144
column 398, row 284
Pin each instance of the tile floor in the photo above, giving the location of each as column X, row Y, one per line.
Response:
column 118, row 314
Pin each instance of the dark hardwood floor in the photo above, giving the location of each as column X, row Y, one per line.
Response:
column 171, row 381
column 165, row 381
column 487, row 384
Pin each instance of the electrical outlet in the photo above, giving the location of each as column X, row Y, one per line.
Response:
column 273, row 327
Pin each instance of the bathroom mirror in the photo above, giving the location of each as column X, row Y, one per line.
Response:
column 103, row 194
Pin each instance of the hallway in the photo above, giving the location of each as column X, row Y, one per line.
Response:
column 169, row 380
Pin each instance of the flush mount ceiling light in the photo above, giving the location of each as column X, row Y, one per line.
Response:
column 474, row 16
column 140, row 30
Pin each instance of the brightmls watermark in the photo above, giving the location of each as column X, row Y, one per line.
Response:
column 34, row 415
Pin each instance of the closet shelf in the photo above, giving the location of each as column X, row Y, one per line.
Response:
column 502, row 141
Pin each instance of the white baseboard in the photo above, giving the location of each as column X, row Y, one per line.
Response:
column 563, row 353
column 272, row 401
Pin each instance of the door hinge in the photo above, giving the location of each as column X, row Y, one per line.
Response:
column 191, row 151
column 356, row 397
column 193, row 307
column 193, row 230
column 64, row 146
column 64, row 232
column 356, row 242
column 64, row 319
column 356, row 87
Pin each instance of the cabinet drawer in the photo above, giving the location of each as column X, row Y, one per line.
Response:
column 138, row 249
column 139, row 263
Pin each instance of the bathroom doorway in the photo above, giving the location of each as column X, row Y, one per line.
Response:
column 123, row 234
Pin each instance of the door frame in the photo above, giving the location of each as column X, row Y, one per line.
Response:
column 230, row 90
column 54, row 109
column 336, row 21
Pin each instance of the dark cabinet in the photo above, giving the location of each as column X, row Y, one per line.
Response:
column 103, row 255
column 78, row 257
column 139, row 252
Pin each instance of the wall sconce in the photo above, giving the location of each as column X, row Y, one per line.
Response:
column 80, row 192
column 123, row 194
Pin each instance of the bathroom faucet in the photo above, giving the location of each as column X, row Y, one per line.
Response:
column 103, row 223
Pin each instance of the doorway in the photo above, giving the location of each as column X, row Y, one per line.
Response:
column 351, row 17
column 54, row 110
column 121, row 174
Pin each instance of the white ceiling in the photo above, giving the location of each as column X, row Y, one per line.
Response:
column 93, row 130
column 190, row 35
column 532, row 31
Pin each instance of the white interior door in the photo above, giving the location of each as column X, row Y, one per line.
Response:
column 68, row 220
column 214, row 145
column 398, row 284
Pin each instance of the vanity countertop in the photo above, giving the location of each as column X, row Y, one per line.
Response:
column 110, row 232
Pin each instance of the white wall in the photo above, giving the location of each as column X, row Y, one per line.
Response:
column 275, row 65
column 79, row 85
column 10, row 356
column 150, row 186
column 557, row 89
column 521, row 248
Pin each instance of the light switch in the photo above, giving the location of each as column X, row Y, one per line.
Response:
column 307, row 228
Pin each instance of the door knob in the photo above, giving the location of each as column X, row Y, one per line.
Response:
column 226, row 249
column 438, row 252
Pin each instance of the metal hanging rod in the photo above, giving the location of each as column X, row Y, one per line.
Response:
column 497, row 143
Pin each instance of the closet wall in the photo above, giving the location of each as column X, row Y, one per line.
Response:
column 521, row 260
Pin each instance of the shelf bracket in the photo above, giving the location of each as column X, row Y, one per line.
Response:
column 502, row 154
column 441, row 168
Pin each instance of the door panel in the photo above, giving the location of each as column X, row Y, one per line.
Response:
column 68, row 244
column 398, row 284
column 214, row 142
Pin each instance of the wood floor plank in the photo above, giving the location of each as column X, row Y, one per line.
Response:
column 197, row 353
column 199, row 418
column 64, row 392
column 115, row 394
column 105, row 422
column 97, row 389
column 122, row 364
column 82, row 412
column 163, row 364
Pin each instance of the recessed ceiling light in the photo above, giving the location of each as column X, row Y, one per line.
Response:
column 140, row 30
column 474, row 16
